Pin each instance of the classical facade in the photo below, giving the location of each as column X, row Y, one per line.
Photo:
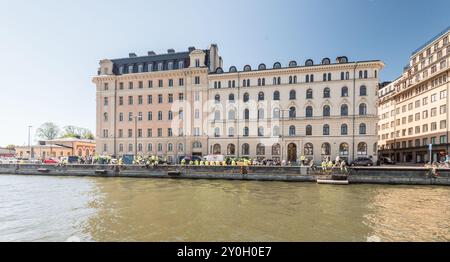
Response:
column 413, row 109
column 185, row 103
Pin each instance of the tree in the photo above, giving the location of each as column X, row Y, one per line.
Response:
column 11, row 147
column 71, row 131
column 48, row 131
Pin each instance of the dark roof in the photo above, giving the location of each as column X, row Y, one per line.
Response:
column 431, row 40
column 151, row 59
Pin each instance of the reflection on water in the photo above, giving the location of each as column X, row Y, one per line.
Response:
column 120, row 209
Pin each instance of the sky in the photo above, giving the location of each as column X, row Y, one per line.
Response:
column 50, row 50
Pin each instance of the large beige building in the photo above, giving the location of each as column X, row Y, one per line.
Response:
column 413, row 109
column 185, row 103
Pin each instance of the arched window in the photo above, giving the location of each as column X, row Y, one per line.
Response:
column 259, row 81
column 343, row 149
column 246, row 97
column 365, row 74
column 326, row 92
column 232, row 69
column 360, row 74
column 276, row 113
column 344, row 129
column 170, row 147
column 262, row 67
column 246, row 131
column 260, row 131
column 324, row 77
column 309, row 94
column 247, row 68
column 245, row 149
column 309, row 149
column 216, row 149
column 292, row 112
column 292, row 131
column 140, row 147
column 261, row 96
column 217, row 98
column 231, row 149
column 362, row 129
column 248, row 82
column 292, row 64
column 244, row 83
column 105, row 117
column 326, row 110
column 160, row 147
column 290, row 79
column 344, row 91
column 276, row 149
column 231, row 115
column 149, row 147
column 246, row 114
column 326, row 61
column 261, row 113
column 231, row 97
column 329, row 76
column 326, row 130
column 347, row 75
column 309, row 62
column 276, row 131
column 276, row 95
column 260, row 150
column 362, row 148
column 309, row 130
column 311, row 78
column 363, row 91
column 277, row 65
column 217, row 115
column 344, row 110
column 274, row 81
column 309, row 111
column 295, row 79
column 279, row 80
column 292, row 95
column 197, row 144
column 180, row 147
column 307, row 78
column 326, row 149
column 362, row 109
column 217, row 132
column 342, row 76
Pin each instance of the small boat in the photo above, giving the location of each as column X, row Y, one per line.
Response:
column 43, row 170
column 332, row 182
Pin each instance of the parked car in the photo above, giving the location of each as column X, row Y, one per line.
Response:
column 385, row 161
column 362, row 161
column 50, row 161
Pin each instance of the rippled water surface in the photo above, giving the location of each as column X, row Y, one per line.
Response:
column 124, row 209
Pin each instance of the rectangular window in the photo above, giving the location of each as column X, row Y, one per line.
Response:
column 120, row 100
column 197, row 62
column 149, row 99
column 105, row 87
column 140, row 100
column 170, row 82
column 160, row 99
column 425, row 141
column 180, row 114
column 141, row 84
column 197, row 96
column 181, row 96
column 130, row 85
column 417, row 117
column 139, row 133
column 433, row 140
column 425, row 128
column 121, row 86
column 425, row 101
column 197, row 80
column 417, row 104
column 120, row 117
column 169, row 132
column 130, row 100
column 417, row 130
column 130, row 132
column 443, row 124
column 443, row 94
column 170, row 98
column 130, row 116
column 443, row 109
column 149, row 132
column 159, row 132
column 150, row 116
column 425, row 114
column 443, row 139
column 160, row 83
column 160, row 66
column 160, row 116
column 181, row 82
column 120, row 133
column 150, row 84
column 433, row 112
column 105, row 101
column 140, row 116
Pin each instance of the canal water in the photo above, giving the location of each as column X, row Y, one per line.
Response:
column 125, row 209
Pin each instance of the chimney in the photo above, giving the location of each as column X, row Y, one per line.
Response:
column 191, row 48
column 170, row 51
column 150, row 53
column 131, row 55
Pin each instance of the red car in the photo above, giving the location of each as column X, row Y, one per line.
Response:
column 50, row 161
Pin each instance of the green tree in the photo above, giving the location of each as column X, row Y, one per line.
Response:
column 48, row 131
column 11, row 147
column 71, row 132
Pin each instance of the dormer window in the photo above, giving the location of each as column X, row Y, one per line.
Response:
column 140, row 68
column 160, row 66
column 197, row 62
column 180, row 64
column 150, row 67
column 170, row 65
column 121, row 70
column 130, row 69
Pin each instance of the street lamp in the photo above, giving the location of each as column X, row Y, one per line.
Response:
column 29, row 141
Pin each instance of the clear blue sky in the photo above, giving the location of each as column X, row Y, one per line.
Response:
column 50, row 49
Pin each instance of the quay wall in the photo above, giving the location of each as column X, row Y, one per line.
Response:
column 356, row 175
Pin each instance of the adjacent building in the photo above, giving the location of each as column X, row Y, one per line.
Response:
column 413, row 109
column 57, row 148
column 185, row 103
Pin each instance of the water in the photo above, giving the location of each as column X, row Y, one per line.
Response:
column 123, row 209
